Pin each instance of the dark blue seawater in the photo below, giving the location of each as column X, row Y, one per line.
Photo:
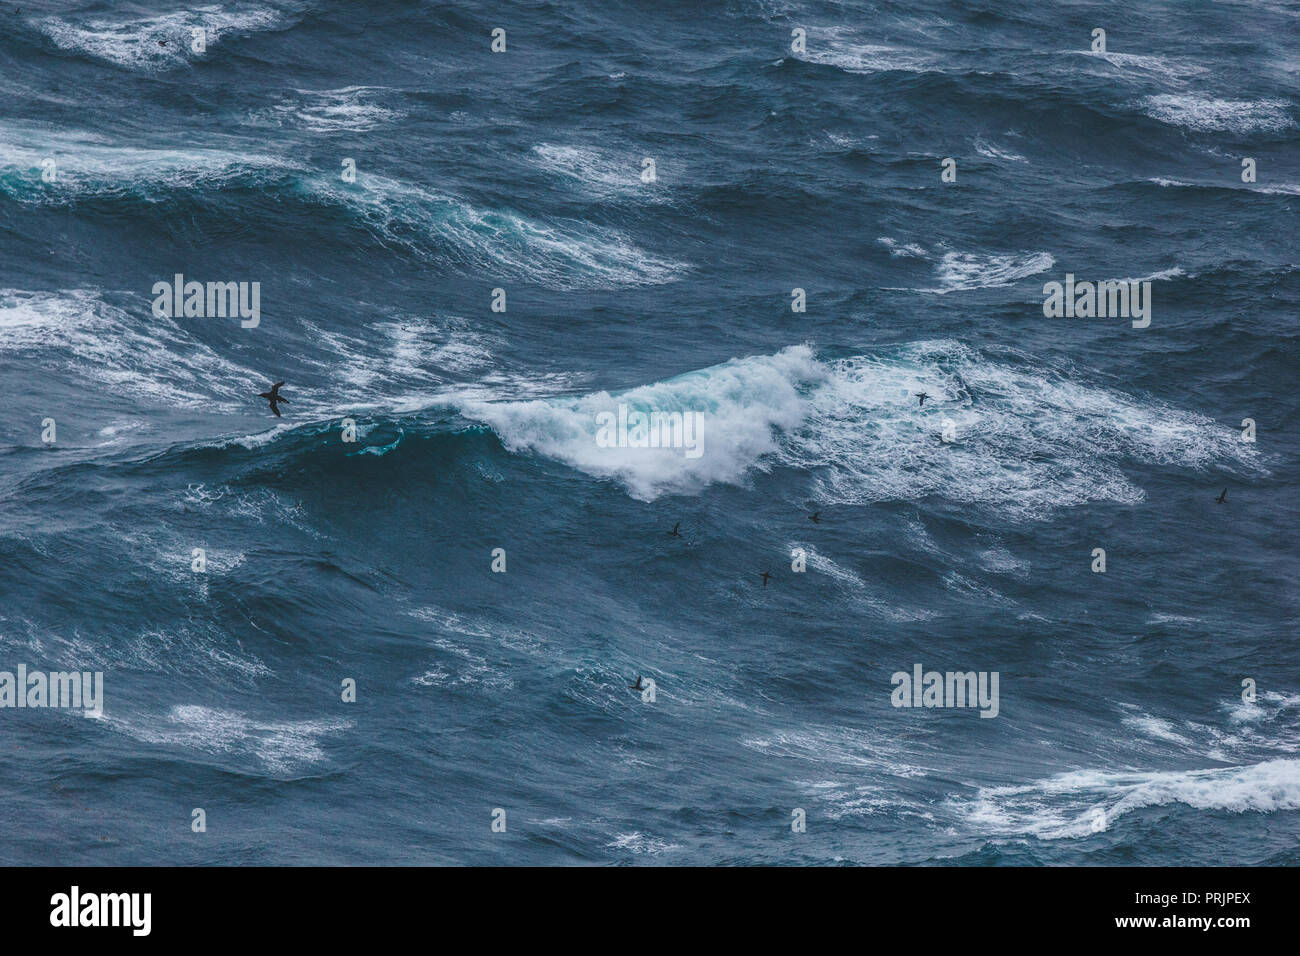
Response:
column 1124, row 732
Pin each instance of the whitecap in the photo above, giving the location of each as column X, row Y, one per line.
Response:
column 1209, row 114
column 281, row 747
column 350, row 109
column 902, row 249
column 963, row 271
column 1034, row 440
column 849, row 51
column 77, row 332
column 162, row 41
column 1073, row 804
column 561, row 255
column 990, row 151
column 601, row 172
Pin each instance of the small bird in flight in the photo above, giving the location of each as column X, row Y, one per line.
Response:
column 814, row 517
column 1222, row 498
column 637, row 685
column 922, row 396
column 766, row 575
column 274, row 397
column 675, row 533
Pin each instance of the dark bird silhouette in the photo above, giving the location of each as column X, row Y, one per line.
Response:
column 637, row 685
column 162, row 42
column 922, row 396
column 274, row 397
column 675, row 533
column 814, row 517
column 766, row 575
column 1222, row 498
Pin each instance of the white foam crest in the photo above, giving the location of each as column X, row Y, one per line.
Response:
column 1281, row 189
column 1027, row 440
column 168, row 554
column 1161, row 276
column 846, row 746
column 141, row 356
column 116, row 432
column 479, row 628
column 1266, row 707
column 902, row 250
column 990, row 151
column 1159, row 65
column 1031, row 441
column 1156, row 727
column 563, row 255
column 493, row 385
column 640, row 843
column 1067, row 805
column 853, row 53
column 416, row 346
column 1001, row 561
column 840, row 799
column 744, row 403
column 857, row 588
column 351, row 109
column 845, row 141
column 256, row 440
column 602, row 172
column 1252, row 732
column 161, row 41
column 819, row 562
column 194, row 649
column 964, row 586
column 1208, row 114
column 396, row 355
column 88, row 166
column 262, row 505
column 281, row 746
column 469, row 669
column 962, row 271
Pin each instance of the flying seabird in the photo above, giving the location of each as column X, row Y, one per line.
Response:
column 274, row 396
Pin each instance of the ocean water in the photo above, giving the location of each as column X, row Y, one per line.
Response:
column 1147, row 714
